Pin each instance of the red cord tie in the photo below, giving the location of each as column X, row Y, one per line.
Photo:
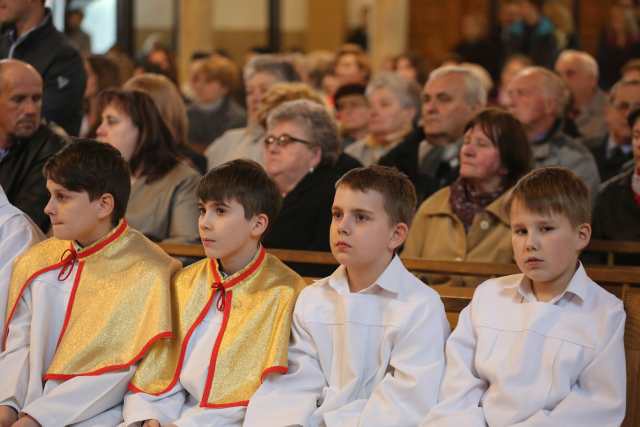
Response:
column 221, row 296
column 69, row 263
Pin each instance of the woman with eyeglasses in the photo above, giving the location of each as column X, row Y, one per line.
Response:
column 466, row 221
column 300, row 151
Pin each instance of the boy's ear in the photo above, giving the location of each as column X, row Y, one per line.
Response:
column 260, row 224
column 398, row 235
column 106, row 205
column 584, row 235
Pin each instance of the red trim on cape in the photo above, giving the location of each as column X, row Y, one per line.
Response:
column 72, row 297
column 183, row 349
column 232, row 281
column 118, row 232
column 273, row 370
column 216, row 348
column 145, row 349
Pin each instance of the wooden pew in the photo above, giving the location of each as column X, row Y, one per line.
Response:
column 624, row 282
column 611, row 248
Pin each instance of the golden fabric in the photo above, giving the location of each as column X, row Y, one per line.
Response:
column 119, row 305
column 257, row 304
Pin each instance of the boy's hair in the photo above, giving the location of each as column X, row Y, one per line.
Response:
column 246, row 182
column 94, row 167
column 553, row 190
column 397, row 191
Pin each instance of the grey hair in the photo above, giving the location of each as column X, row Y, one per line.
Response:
column 282, row 69
column 553, row 87
column 316, row 122
column 475, row 91
column 587, row 61
column 406, row 92
column 619, row 85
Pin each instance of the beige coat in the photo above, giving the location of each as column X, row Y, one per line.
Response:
column 438, row 234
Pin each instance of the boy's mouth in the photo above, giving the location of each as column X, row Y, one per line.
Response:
column 342, row 245
column 533, row 261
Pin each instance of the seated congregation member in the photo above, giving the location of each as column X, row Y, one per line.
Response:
column 170, row 104
column 466, row 220
column 260, row 73
column 394, row 103
column 280, row 93
column 538, row 98
column 367, row 341
column 25, row 141
column 613, row 150
column 451, row 97
column 542, row 348
column 66, row 357
column 616, row 215
column 213, row 110
column 189, row 381
column 17, row 234
column 301, row 148
column 163, row 203
column 352, row 113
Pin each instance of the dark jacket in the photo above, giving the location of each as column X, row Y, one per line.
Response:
column 538, row 41
column 429, row 176
column 21, row 173
column 60, row 65
column 206, row 126
column 608, row 166
column 305, row 217
column 616, row 215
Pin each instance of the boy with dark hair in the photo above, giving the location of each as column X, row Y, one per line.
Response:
column 232, row 311
column 368, row 341
column 84, row 306
column 542, row 348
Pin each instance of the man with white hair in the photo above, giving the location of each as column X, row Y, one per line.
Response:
column 450, row 98
column 579, row 70
column 537, row 98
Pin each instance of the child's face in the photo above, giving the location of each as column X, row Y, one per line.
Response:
column 361, row 232
column 73, row 216
column 546, row 247
column 225, row 232
column 206, row 91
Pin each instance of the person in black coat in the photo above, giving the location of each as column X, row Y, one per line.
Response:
column 301, row 148
column 28, row 34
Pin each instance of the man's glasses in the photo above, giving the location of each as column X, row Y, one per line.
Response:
column 284, row 140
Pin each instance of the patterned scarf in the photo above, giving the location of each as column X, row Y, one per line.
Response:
column 466, row 203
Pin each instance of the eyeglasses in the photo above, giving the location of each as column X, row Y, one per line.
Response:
column 284, row 140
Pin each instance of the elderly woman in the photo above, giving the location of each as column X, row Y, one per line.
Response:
column 617, row 207
column 300, row 149
column 163, row 203
column 260, row 73
column 466, row 221
column 394, row 103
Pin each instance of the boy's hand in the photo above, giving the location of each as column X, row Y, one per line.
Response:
column 8, row 416
column 26, row 421
column 151, row 423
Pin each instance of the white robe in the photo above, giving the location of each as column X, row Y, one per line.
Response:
column 17, row 234
column 181, row 404
column 31, row 344
column 372, row 358
column 515, row 361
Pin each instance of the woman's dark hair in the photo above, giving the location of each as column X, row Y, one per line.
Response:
column 418, row 62
column 633, row 116
column 156, row 151
column 508, row 135
column 106, row 70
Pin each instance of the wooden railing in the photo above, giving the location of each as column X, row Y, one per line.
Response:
column 624, row 282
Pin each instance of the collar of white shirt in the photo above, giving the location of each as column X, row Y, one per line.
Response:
column 389, row 281
column 577, row 287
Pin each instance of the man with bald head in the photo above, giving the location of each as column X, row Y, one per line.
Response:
column 579, row 70
column 28, row 34
column 451, row 97
column 25, row 142
column 538, row 98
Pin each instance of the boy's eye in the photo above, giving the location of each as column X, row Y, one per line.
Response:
column 220, row 211
column 546, row 228
column 201, row 210
column 520, row 231
column 361, row 217
column 336, row 214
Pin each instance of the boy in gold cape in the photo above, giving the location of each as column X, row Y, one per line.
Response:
column 84, row 306
column 232, row 311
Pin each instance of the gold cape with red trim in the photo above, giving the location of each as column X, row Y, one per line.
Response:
column 254, row 335
column 119, row 305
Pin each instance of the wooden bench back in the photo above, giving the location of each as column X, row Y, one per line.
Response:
column 624, row 282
